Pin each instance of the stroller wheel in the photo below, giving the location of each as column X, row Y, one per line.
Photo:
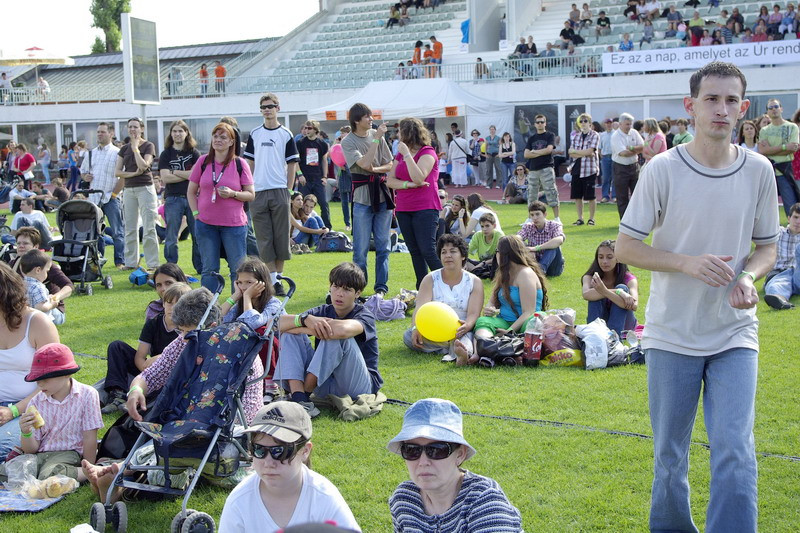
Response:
column 119, row 517
column 198, row 523
column 180, row 518
column 89, row 290
column 97, row 517
column 108, row 283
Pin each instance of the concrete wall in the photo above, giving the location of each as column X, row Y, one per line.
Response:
column 519, row 14
column 484, row 27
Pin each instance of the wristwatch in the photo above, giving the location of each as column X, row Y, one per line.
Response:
column 303, row 317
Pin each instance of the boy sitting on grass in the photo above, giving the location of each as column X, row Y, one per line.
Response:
column 484, row 245
column 61, row 422
column 34, row 266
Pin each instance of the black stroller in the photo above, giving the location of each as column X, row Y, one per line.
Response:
column 193, row 417
column 77, row 252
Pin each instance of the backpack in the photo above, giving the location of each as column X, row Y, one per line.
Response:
column 238, row 165
column 334, row 241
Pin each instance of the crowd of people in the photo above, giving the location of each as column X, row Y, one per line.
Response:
column 333, row 348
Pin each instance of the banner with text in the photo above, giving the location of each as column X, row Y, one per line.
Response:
column 763, row 53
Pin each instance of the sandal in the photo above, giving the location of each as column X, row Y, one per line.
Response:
column 591, row 222
column 578, row 222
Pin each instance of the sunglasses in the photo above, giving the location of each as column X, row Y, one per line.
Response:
column 584, row 121
column 279, row 453
column 541, row 122
column 268, row 106
column 434, row 450
column 773, row 107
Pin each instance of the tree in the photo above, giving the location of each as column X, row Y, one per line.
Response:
column 107, row 15
column 99, row 46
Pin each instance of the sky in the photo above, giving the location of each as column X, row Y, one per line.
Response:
column 68, row 30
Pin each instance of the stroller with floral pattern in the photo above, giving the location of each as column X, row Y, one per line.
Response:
column 193, row 418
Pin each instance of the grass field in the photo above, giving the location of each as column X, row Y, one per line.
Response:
column 573, row 477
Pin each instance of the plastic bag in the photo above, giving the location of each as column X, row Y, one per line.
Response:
column 595, row 347
column 19, row 471
column 560, row 345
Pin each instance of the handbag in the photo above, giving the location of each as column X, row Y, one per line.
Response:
column 502, row 350
column 470, row 159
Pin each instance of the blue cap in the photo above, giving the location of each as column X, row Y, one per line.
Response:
column 434, row 419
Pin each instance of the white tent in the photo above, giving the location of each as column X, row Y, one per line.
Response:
column 425, row 98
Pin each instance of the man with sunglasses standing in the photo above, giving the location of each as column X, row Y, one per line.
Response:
column 706, row 203
column 272, row 155
column 539, row 152
column 779, row 142
column 314, row 167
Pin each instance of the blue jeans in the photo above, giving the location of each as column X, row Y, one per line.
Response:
column 175, row 208
column 46, row 172
column 9, row 436
column 209, row 239
column 317, row 188
column 616, row 317
column 310, row 238
column 787, row 192
column 606, row 174
column 377, row 224
column 509, row 171
column 551, row 261
column 787, row 283
column 728, row 382
column 419, row 231
column 113, row 211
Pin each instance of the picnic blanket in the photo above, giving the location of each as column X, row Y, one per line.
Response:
column 12, row 502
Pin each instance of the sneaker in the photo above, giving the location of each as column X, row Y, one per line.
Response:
column 312, row 410
column 449, row 358
column 778, row 302
column 279, row 289
column 115, row 404
column 305, row 249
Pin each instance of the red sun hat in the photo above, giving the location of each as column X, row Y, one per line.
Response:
column 52, row 360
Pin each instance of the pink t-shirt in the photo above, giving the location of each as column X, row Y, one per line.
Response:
column 222, row 211
column 422, row 197
column 65, row 421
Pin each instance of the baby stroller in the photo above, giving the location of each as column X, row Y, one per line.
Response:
column 193, row 417
column 77, row 252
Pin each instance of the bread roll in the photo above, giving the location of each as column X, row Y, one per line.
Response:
column 39, row 421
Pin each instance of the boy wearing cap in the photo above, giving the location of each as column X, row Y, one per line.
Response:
column 71, row 414
column 344, row 360
column 284, row 491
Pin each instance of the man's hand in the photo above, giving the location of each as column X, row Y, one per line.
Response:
column 5, row 415
column 382, row 129
column 301, row 179
column 744, row 294
column 136, row 401
column 416, row 339
column 710, row 269
column 320, row 326
column 792, row 146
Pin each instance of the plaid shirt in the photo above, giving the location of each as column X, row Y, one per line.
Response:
column 37, row 292
column 533, row 236
column 103, row 162
column 590, row 166
column 787, row 246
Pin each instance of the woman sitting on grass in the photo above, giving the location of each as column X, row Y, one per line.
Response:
column 163, row 278
column 611, row 290
column 306, row 228
column 454, row 286
column 253, row 301
column 519, row 292
column 476, row 206
column 516, row 191
column 283, row 491
column 455, row 216
column 440, row 491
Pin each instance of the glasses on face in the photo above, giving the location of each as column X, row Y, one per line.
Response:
column 435, row 450
column 279, row 453
column 774, row 106
column 584, row 121
column 268, row 106
column 540, row 122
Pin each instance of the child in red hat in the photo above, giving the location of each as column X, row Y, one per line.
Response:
column 65, row 429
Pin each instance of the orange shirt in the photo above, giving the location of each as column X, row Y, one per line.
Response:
column 417, row 54
column 437, row 50
column 428, row 55
column 219, row 71
column 203, row 76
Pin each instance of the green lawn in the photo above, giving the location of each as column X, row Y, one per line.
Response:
column 562, row 478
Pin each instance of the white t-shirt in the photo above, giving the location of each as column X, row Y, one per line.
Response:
column 620, row 141
column 320, row 500
column 21, row 219
column 270, row 150
column 478, row 213
column 694, row 210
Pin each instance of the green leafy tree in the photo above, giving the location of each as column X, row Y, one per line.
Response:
column 107, row 15
column 99, row 46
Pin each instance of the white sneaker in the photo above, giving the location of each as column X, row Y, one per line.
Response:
column 557, row 219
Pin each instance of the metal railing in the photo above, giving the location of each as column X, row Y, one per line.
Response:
column 62, row 94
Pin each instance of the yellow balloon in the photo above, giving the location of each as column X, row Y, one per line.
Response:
column 437, row 322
